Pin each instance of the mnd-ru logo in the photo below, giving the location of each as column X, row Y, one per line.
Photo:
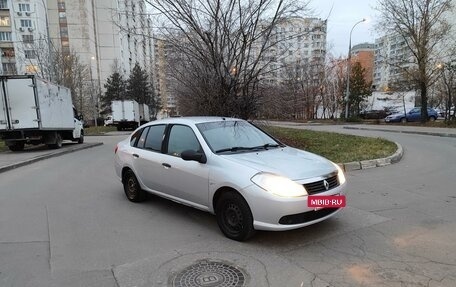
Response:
column 325, row 201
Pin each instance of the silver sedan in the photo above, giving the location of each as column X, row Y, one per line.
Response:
column 228, row 167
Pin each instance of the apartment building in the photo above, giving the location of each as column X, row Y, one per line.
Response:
column 391, row 56
column 364, row 54
column 100, row 32
column 301, row 43
column 23, row 33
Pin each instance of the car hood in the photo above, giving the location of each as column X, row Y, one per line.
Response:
column 289, row 162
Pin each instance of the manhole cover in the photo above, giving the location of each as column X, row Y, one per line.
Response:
column 209, row 274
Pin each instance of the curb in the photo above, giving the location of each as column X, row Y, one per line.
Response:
column 449, row 135
column 46, row 156
column 379, row 162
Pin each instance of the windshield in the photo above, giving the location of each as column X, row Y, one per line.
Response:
column 235, row 136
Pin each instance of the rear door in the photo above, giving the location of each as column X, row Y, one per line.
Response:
column 21, row 101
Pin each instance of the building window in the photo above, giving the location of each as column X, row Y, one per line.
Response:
column 30, row 54
column 31, row 69
column 5, row 21
column 61, row 6
column 9, row 68
column 27, row 38
column 26, row 23
column 24, row 7
column 5, row 36
column 8, row 52
column 3, row 4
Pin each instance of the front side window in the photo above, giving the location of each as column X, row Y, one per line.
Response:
column 182, row 138
column 235, row 136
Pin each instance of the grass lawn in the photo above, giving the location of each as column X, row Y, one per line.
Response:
column 98, row 130
column 338, row 148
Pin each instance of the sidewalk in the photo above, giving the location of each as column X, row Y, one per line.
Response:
column 441, row 132
column 10, row 160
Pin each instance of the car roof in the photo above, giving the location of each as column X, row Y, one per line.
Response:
column 192, row 120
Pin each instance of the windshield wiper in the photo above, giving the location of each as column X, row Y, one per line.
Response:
column 234, row 149
column 241, row 148
column 268, row 145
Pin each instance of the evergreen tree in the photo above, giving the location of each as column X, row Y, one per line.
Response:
column 138, row 87
column 141, row 90
column 115, row 90
column 360, row 89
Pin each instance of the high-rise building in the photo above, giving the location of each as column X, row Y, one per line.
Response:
column 103, row 32
column 100, row 32
column 364, row 54
column 391, row 56
column 301, row 42
column 23, row 33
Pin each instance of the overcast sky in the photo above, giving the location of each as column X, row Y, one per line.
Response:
column 344, row 14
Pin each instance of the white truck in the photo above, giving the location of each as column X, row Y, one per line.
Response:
column 128, row 114
column 36, row 111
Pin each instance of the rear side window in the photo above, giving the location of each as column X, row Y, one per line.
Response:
column 154, row 138
column 142, row 138
column 134, row 138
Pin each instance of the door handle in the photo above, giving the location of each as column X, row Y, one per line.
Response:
column 135, row 155
column 166, row 165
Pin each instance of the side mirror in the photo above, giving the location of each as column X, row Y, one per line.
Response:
column 193, row 155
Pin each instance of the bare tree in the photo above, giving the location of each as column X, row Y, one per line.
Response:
column 422, row 25
column 219, row 48
column 62, row 68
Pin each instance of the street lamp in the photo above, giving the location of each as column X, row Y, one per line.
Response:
column 347, row 95
column 95, row 114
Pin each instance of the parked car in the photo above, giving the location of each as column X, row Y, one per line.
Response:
column 228, row 167
column 373, row 114
column 414, row 115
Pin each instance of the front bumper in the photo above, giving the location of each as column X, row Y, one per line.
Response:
column 274, row 213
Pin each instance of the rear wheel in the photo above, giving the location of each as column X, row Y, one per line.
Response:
column 132, row 188
column 17, row 146
column 58, row 142
column 234, row 217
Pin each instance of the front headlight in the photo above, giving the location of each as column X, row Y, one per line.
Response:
column 340, row 174
column 278, row 185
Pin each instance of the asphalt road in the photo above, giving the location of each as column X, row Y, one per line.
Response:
column 66, row 222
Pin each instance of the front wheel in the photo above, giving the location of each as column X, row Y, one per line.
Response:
column 431, row 118
column 403, row 120
column 81, row 138
column 234, row 217
column 132, row 188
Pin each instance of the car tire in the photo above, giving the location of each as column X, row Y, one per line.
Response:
column 403, row 120
column 234, row 217
column 17, row 146
column 132, row 188
column 432, row 119
column 81, row 138
column 58, row 142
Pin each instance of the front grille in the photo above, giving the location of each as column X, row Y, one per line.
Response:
column 319, row 186
column 306, row 216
